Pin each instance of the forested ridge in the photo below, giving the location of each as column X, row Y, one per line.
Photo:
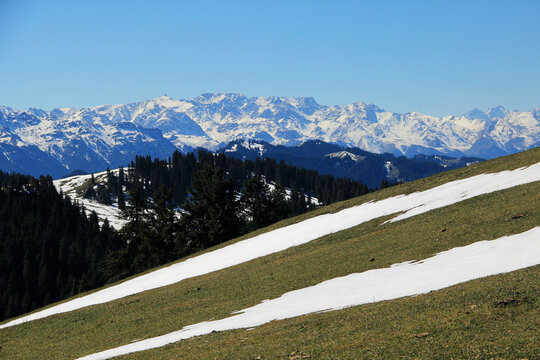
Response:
column 220, row 197
column 176, row 173
column 52, row 250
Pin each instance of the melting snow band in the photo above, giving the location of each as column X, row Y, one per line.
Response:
column 300, row 233
column 447, row 268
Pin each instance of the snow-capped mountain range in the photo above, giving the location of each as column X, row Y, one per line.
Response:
column 61, row 140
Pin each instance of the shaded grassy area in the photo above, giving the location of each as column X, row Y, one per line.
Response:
column 384, row 330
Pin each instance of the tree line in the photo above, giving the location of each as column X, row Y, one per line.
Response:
column 213, row 212
column 177, row 173
column 50, row 249
column 220, row 198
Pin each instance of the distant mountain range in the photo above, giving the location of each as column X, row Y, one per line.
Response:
column 353, row 163
column 56, row 142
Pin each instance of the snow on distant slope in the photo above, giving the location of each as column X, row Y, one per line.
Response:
column 70, row 185
column 309, row 199
column 346, row 154
column 448, row 268
column 256, row 146
column 300, row 233
column 110, row 135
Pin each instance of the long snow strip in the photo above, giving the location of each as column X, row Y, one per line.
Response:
column 300, row 233
column 457, row 265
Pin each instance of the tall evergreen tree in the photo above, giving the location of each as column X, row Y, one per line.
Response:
column 301, row 205
column 278, row 207
column 210, row 210
column 121, row 201
column 163, row 225
column 254, row 203
column 134, row 256
column 103, row 195
column 136, row 205
column 121, row 176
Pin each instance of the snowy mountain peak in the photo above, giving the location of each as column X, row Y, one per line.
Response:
column 307, row 102
column 477, row 114
column 366, row 106
column 498, row 112
column 93, row 138
column 214, row 98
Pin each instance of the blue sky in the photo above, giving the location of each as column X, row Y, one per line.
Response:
column 437, row 57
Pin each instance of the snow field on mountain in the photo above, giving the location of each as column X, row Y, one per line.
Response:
column 110, row 212
column 457, row 265
column 300, row 233
column 110, row 135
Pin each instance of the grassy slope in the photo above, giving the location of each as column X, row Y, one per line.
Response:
column 382, row 330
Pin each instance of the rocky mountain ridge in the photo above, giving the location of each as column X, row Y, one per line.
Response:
column 93, row 138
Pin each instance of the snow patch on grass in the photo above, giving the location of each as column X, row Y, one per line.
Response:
column 300, row 233
column 457, row 265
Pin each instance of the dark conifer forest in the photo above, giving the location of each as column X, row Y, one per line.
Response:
column 220, row 197
column 177, row 172
column 51, row 250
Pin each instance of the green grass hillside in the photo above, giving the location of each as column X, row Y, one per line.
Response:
column 491, row 318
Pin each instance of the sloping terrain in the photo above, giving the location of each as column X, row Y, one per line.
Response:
column 447, row 268
column 467, row 317
column 91, row 139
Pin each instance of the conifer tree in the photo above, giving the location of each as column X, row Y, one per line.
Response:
column 301, row 205
column 136, row 205
column 121, row 176
column 293, row 202
column 278, row 206
column 210, row 210
column 89, row 192
column 163, row 226
column 121, row 201
column 254, row 203
column 103, row 195
column 135, row 255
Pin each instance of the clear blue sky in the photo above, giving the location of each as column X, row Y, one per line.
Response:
column 437, row 57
